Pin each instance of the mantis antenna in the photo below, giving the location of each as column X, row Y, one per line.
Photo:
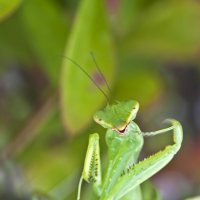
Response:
column 99, row 70
column 91, row 79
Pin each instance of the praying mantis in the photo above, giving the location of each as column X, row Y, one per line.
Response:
column 124, row 139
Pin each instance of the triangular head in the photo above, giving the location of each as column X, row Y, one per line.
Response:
column 117, row 116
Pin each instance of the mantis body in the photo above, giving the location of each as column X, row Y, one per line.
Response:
column 124, row 140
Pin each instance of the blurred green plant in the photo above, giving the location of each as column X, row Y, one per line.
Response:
column 90, row 33
column 47, row 37
column 7, row 7
column 130, row 45
column 160, row 29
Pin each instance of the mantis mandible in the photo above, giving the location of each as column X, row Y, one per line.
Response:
column 124, row 140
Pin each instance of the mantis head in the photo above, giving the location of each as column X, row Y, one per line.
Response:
column 117, row 116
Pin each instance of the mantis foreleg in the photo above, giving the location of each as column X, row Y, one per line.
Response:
column 92, row 166
column 148, row 167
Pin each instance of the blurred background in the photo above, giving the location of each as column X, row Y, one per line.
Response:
column 148, row 51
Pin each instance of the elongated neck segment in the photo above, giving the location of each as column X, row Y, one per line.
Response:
column 131, row 140
column 123, row 151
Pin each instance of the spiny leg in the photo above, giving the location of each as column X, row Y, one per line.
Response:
column 92, row 166
column 149, row 166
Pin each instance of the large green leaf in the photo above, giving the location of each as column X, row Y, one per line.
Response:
column 7, row 7
column 46, row 30
column 80, row 98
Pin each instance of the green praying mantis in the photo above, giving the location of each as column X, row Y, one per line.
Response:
column 124, row 140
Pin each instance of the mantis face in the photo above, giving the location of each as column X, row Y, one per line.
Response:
column 117, row 116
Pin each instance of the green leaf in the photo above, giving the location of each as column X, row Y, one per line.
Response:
column 80, row 98
column 46, row 30
column 7, row 7
column 13, row 47
column 167, row 28
column 138, row 79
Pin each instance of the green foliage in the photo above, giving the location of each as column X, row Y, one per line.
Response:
column 47, row 38
column 90, row 33
column 132, row 42
column 160, row 29
column 7, row 7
